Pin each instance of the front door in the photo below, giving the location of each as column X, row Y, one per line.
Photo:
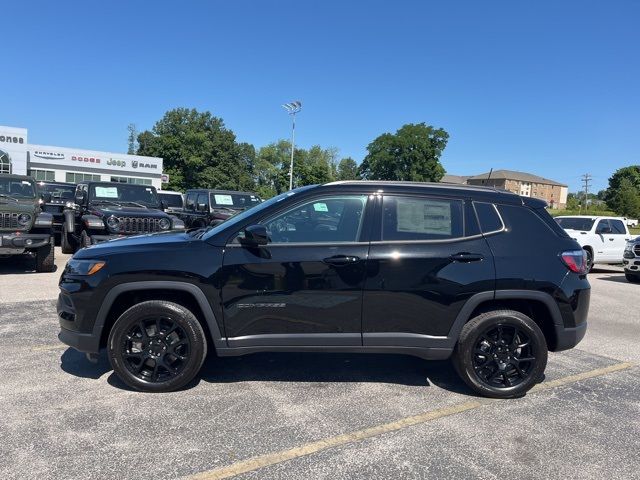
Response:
column 305, row 286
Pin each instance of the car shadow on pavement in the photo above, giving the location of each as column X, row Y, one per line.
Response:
column 17, row 266
column 76, row 364
column 297, row 367
column 615, row 278
column 333, row 367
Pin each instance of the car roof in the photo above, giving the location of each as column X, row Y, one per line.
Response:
column 17, row 177
column 446, row 189
column 170, row 192
column 590, row 217
column 213, row 190
column 64, row 184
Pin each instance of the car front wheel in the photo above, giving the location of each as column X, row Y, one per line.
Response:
column 157, row 346
column 632, row 278
column 501, row 354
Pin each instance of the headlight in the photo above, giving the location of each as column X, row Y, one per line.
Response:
column 113, row 223
column 84, row 267
column 177, row 223
column 24, row 219
column 164, row 224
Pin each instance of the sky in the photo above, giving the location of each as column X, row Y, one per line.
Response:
column 547, row 87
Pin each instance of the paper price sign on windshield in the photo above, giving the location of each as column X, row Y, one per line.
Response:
column 223, row 199
column 107, row 192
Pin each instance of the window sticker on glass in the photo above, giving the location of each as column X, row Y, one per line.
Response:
column 423, row 216
column 107, row 192
column 223, row 199
column 320, row 207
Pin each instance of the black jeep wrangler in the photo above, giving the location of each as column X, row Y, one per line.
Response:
column 211, row 207
column 58, row 196
column 433, row 270
column 107, row 210
column 24, row 227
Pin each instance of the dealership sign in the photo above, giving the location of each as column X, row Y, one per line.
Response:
column 11, row 139
column 48, row 155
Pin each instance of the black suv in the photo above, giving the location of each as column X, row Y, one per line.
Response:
column 203, row 207
column 431, row 270
column 56, row 197
column 107, row 210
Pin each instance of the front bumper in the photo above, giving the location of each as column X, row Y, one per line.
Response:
column 17, row 241
column 72, row 332
column 632, row 265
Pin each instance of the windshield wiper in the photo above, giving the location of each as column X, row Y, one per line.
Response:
column 4, row 195
column 110, row 202
column 134, row 203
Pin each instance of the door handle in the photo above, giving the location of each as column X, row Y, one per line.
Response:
column 465, row 257
column 611, row 239
column 339, row 260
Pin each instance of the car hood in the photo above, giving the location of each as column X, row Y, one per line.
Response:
column 137, row 243
column 128, row 211
column 27, row 205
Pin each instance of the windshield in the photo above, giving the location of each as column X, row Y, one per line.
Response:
column 234, row 200
column 58, row 192
column 171, row 199
column 242, row 216
column 137, row 195
column 576, row 223
column 16, row 188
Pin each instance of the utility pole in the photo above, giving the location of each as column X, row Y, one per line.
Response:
column 292, row 108
column 586, row 178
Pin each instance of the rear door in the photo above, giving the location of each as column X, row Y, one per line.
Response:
column 618, row 238
column 426, row 259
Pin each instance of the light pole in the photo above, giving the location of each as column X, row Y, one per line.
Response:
column 292, row 108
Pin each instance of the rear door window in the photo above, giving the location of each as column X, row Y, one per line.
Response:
column 617, row 227
column 421, row 218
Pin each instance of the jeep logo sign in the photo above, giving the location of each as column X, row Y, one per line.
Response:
column 112, row 162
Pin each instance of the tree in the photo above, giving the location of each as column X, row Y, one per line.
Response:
column 626, row 198
column 572, row 202
column 199, row 151
column 131, row 139
column 412, row 153
column 632, row 174
column 347, row 169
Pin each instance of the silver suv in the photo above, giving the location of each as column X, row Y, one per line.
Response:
column 632, row 260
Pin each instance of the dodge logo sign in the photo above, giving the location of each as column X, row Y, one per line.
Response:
column 85, row 159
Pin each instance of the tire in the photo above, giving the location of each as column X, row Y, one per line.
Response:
column 589, row 259
column 502, row 360
column 65, row 242
column 632, row 277
column 45, row 257
column 85, row 239
column 163, row 358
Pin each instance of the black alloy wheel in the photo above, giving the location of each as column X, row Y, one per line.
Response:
column 155, row 349
column 157, row 346
column 501, row 354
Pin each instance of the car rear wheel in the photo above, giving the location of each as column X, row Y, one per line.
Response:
column 501, row 354
column 157, row 346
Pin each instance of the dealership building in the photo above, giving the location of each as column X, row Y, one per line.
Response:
column 73, row 165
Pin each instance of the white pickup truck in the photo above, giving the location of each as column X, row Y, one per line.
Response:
column 603, row 238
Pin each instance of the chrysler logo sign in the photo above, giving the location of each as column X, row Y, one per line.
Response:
column 48, row 155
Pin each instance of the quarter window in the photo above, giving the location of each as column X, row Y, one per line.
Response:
column 488, row 217
column 420, row 218
column 324, row 220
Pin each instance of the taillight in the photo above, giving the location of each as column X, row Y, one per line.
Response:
column 575, row 260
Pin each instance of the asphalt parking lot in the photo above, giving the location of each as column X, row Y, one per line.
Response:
column 314, row 415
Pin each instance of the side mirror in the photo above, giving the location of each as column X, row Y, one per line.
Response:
column 80, row 197
column 46, row 197
column 255, row 235
column 163, row 205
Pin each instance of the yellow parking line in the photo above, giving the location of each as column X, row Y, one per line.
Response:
column 269, row 459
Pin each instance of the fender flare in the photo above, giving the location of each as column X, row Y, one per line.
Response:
column 218, row 340
column 465, row 313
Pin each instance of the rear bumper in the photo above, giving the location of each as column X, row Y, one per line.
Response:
column 567, row 338
column 23, row 241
